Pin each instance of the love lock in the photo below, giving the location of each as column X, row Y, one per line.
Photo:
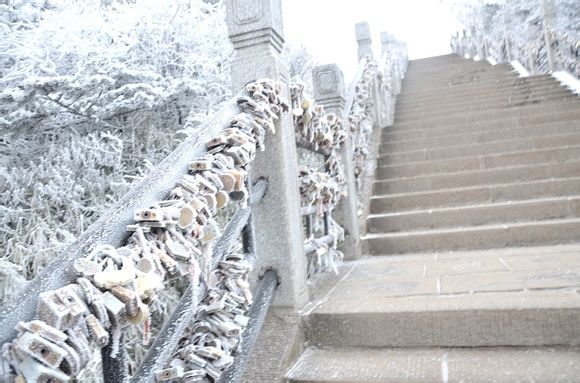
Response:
column 111, row 277
column 168, row 374
column 34, row 372
column 40, row 349
column 60, row 308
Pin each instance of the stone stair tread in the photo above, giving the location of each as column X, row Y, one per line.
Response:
column 521, row 296
column 484, row 170
column 466, row 229
column 423, row 133
column 486, row 148
column 556, row 155
column 474, row 365
column 451, row 190
column 475, row 206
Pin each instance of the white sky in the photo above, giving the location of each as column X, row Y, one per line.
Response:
column 326, row 27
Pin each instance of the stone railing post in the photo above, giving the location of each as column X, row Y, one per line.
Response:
column 548, row 20
column 329, row 90
column 255, row 29
column 365, row 48
column 388, row 100
column 363, row 39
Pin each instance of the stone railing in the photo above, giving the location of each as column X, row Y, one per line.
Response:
column 549, row 51
column 242, row 169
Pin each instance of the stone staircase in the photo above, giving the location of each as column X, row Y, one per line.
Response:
column 475, row 217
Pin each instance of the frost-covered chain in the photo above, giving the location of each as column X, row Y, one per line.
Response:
column 360, row 117
column 115, row 286
column 323, row 190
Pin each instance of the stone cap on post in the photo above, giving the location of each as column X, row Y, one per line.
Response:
column 329, row 90
column 253, row 22
column 363, row 39
column 256, row 31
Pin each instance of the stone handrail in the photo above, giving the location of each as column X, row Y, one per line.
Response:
column 551, row 50
column 107, row 279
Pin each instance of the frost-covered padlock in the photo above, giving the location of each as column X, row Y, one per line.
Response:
column 168, row 374
column 210, row 231
column 147, row 285
column 166, row 261
column 222, row 199
column 177, row 250
column 217, row 141
column 209, row 352
column 150, row 215
column 228, row 328
column 193, row 375
column 115, row 307
column 34, row 372
column 44, row 330
column 202, row 164
column 40, row 349
column 60, row 308
column 128, row 297
column 112, row 275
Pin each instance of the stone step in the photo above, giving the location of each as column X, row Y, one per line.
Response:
column 438, row 152
column 510, row 85
column 483, row 76
column 523, row 173
column 433, row 199
column 500, row 297
column 529, row 233
column 495, row 102
column 451, row 135
column 473, row 215
column 526, row 157
column 520, row 114
column 427, row 365
column 480, row 142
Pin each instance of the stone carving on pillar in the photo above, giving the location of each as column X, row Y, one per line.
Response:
column 255, row 29
column 363, row 38
column 329, row 91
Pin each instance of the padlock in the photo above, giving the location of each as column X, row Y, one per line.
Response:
column 150, row 215
column 86, row 267
column 51, row 310
column 177, row 250
column 69, row 296
column 217, row 141
column 208, row 352
column 128, row 297
column 193, row 375
column 172, row 373
column 41, row 328
column 32, row 371
column 222, row 199
column 40, row 349
column 168, row 263
column 110, row 278
column 148, row 284
column 200, row 165
column 115, row 307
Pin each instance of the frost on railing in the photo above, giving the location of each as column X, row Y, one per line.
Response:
column 530, row 39
column 320, row 190
column 361, row 118
column 567, row 51
column 173, row 239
